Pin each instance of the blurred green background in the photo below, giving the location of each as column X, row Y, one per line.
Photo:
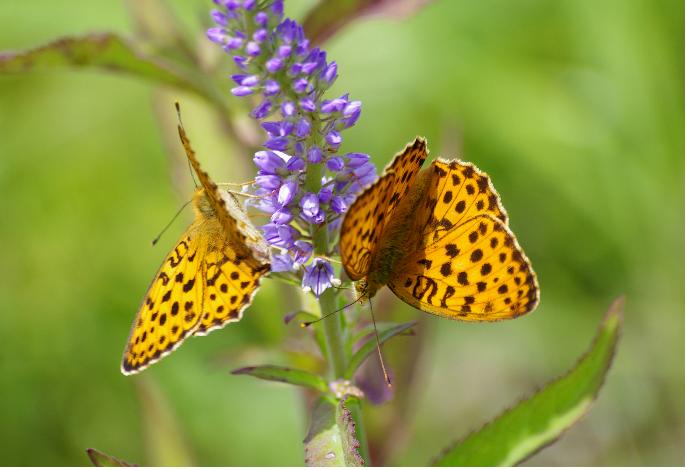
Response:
column 575, row 108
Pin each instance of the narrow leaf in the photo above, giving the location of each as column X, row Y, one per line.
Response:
column 326, row 18
column 106, row 51
column 100, row 459
column 539, row 420
column 286, row 375
column 385, row 334
column 331, row 439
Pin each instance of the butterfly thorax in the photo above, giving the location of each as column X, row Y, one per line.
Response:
column 398, row 237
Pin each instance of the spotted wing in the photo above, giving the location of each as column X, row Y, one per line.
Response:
column 364, row 222
column 405, row 166
column 457, row 192
column 231, row 281
column 171, row 307
column 363, row 225
column 214, row 197
column 468, row 264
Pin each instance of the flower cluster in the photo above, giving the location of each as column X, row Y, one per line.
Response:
column 303, row 183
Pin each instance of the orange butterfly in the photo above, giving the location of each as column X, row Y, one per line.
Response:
column 206, row 281
column 439, row 238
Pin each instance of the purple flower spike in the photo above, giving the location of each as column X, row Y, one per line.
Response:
column 286, row 74
column 314, row 155
column 318, row 277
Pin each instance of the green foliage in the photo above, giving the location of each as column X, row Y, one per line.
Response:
column 331, row 439
column 540, row 419
column 577, row 100
column 105, row 51
column 286, row 375
column 386, row 332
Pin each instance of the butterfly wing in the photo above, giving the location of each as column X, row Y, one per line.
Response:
column 171, row 307
column 469, row 265
column 365, row 220
column 231, row 281
column 219, row 204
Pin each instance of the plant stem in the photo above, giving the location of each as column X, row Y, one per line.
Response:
column 332, row 327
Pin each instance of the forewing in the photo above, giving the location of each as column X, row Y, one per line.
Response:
column 363, row 226
column 468, row 264
column 365, row 220
column 231, row 281
column 213, row 195
column 171, row 307
column 405, row 167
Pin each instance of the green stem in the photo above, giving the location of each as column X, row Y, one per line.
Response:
column 333, row 328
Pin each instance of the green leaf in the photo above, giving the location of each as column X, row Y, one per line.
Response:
column 286, row 375
column 539, row 420
column 326, row 18
column 331, row 439
column 100, row 459
column 106, row 51
column 385, row 334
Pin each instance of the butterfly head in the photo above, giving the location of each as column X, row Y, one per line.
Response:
column 364, row 289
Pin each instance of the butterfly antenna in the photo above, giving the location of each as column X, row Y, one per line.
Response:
column 308, row 323
column 184, row 141
column 379, row 347
column 170, row 222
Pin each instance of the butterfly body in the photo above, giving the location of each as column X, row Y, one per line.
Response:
column 205, row 282
column 439, row 239
column 395, row 241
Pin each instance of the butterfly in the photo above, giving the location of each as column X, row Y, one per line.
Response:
column 439, row 239
column 205, row 282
